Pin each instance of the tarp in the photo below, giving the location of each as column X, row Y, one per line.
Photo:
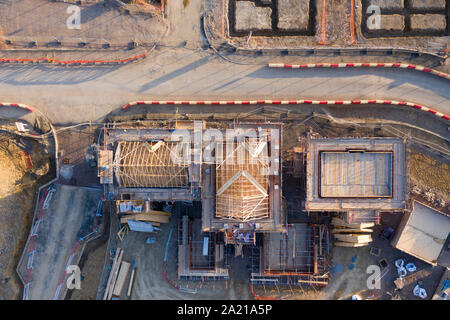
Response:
column 140, row 226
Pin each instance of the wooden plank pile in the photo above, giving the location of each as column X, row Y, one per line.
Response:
column 136, row 215
column 155, row 217
column 117, row 277
column 351, row 234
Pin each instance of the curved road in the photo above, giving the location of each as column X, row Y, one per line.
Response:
column 69, row 95
column 79, row 94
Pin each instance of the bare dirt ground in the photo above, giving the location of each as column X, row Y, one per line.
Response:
column 332, row 30
column 91, row 270
column 189, row 31
column 430, row 177
column 78, row 165
column 44, row 21
column 17, row 194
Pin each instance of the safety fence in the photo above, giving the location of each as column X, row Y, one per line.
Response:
column 16, row 105
column 285, row 102
column 43, row 206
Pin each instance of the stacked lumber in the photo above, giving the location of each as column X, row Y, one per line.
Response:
column 117, row 277
column 113, row 275
column 353, row 237
column 122, row 276
column 155, row 217
column 130, row 286
column 351, row 234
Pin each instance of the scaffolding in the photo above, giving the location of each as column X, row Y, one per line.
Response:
column 201, row 247
column 200, row 256
column 297, row 257
column 150, row 164
column 242, row 180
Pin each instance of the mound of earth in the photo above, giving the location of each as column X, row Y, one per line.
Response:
column 19, row 183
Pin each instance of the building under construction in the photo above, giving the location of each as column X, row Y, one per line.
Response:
column 234, row 177
column 241, row 190
column 147, row 164
column 297, row 257
column 357, row 177
column 200, row 254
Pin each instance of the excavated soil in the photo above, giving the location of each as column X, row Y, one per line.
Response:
column 430, row 178
column 17, row 196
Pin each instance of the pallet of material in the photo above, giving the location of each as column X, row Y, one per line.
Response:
column 355, row 238
column 350, row 230
column 151, row 212
column 145, row 217
column 118, row 287
column 350, row 244
column 113, row 274
column 341, row 223
column 159, row 213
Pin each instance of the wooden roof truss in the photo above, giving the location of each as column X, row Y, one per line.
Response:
column 242, row 181
column 149, row 164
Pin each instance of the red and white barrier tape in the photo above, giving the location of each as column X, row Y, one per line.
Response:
column 17, row 105
column 361, row 65
column 284, row 102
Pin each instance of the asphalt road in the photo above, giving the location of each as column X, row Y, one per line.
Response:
column 70, row 95
column 73, row 95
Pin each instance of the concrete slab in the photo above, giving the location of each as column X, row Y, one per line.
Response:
column 427, row 4
column 293, row 14
column 316, row 202
column 249, row 17
column 394, row 22
column 388, row 4
column 432, row 22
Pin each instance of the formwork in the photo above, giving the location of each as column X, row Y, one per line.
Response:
column 298, row 257
column 200, row 256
